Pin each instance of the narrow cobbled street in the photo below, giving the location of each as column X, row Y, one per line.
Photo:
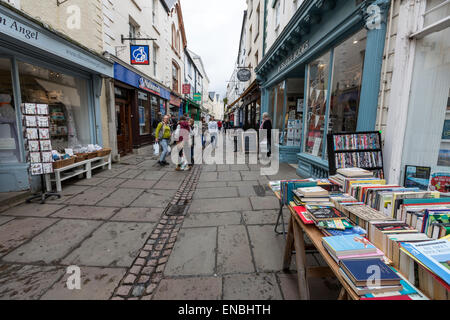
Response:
column 142, row 231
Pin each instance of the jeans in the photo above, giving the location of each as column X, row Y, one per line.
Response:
column 214, row 140
column 165, row 146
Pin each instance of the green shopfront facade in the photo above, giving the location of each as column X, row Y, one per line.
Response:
column 322, row 75
column 41, row 66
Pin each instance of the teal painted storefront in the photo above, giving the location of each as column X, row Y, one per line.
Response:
column 315, row 30
column 26, row 42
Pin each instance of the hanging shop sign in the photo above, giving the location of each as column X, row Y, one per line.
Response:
column 244, row 75
column 186, row 89
column 197, row 97
column 140, row 54
column 297, row 53
column 175, row 101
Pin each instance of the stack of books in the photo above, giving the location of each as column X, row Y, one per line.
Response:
column 350, row 247
column 312, row 195
column 343, row 176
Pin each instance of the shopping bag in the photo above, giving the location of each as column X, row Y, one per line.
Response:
column 156, row 149
column 263, row 147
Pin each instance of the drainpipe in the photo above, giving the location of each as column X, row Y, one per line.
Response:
column 386, row 63
column 265, row 28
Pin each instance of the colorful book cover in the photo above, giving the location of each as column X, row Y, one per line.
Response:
column 348, row 232
column 349, row 243
column 303, row 214
column 361, row 270
column 435, row 255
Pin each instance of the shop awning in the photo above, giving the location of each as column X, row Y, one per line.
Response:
column 249, row 89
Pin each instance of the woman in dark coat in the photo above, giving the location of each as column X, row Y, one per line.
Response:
column 267, row 125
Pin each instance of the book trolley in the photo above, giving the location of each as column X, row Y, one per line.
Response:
column 355, row 149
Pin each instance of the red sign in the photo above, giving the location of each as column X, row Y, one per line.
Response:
column 186, row 89
column 440, row 182
column 175, row 101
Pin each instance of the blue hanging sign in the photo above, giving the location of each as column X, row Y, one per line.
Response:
column 140, row 54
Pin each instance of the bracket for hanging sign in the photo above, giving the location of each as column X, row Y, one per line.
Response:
column 60, row 2
column 123, row 39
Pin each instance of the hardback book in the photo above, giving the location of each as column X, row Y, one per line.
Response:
column 356, row 230
column 394, row 242
column 363, row 290
column 347, row 245
column 313, row 192
column 303, row 214
column 379, row 230
column 319, row 213
column 355, row 172
column 362, row 272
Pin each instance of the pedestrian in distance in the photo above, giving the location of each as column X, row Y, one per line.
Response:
column 193, row 134
column 213, row 129
column 163, row 134
column 182, row 138
column 267, row 125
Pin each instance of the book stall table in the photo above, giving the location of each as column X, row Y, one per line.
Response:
column 295, row 242
column 84, row 167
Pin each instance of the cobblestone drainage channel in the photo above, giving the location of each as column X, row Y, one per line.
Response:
column 146, row 272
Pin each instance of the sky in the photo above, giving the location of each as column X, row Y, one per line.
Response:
column 213, row 30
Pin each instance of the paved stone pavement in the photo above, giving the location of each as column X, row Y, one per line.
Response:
column 140, row 231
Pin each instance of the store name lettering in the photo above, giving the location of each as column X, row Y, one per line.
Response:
column 29, row 34
column 148, row 85
column 300, row 51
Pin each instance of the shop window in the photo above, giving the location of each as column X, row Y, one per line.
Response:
column 272, row 102
column 155, row 60
column 155, row 12
column 348, row 62
column 67, row 98
column 155, row 112
column 293, row 123
column 318, row 76
column 9, row 140
column 144, row 114
column 444, row 151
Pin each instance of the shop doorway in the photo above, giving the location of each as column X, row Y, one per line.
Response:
column 123, row 125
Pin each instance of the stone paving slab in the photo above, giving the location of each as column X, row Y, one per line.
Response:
column 265, row 203
column 114, row 172
column 194, row 253
column 4, row 220
column 268, row 248
column 175, row 176
column 91, row 196
column 152, row 175
column 250, row 175
column 167, row 185
column 114, row 244
column 223, row 167
column 138, row 184
column 239, row 167
column 54, row 243
column 90, row 182
column 96, row 284
column 244, row 184
column 130, row 174
column 154, row 199
column 264, row 217
column 85, row 212
column 209, row 168
column 219, row 205
column 202, row 288
column 230, row 176
column 17, row 231
column 234, row 255
column 212, row 193
column 32, row 210
column 68, row 192
column 247, row 191
column 289, row 286
column 18, row 282
column 215, row 184
column 138, row 215
column 212, row 219
column 112, row 183
column 251, row 287
column 209, row 177
column 121, row 198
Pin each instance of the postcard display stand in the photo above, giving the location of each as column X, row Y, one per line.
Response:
column 356, row 149
column 38, row 145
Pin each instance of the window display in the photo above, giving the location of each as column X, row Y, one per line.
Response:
column 144, row 113
column 348, row 64
column 63, row 98
column 318, row 76
column 444, row 151
column 280, row 88
column 293, row 124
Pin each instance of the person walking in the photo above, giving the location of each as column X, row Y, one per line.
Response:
column 213, row 131
column 193, row 134
column 184, row 130
column 219, row 125
column 267, row 125
column 163, row 134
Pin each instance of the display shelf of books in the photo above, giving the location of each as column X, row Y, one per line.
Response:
column 355, row 150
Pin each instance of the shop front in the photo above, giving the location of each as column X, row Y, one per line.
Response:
column 252, row 107
column 140, row 105
column 175, row 106
column 193, row 109
column 40, row 66
column 322, row 76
